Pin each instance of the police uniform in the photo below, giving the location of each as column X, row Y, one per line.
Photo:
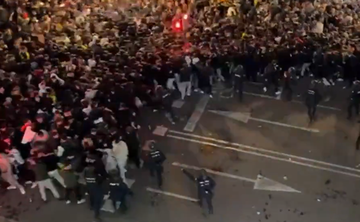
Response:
column 205, row 191
column 117, row 193
column 354, row 101
column 239, row 81
column 312, row 99
column 288, row 77
column 271, row 76
column 358, row 142
column 167, row 101
column 95, row 190
column 156, row 161
column 205, row 186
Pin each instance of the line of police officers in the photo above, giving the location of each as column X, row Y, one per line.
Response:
column 99, row 183
column 312, row 95
column 96, row 177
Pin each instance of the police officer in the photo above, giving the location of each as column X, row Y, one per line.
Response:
column 358, row 141
column 354, row 100
column 238, row 73
column 118, row 191
column 271, row 73
column 167, row 101
column 156, row 160
column 94, row 187
column 311, row 100
column 288, row 76
column 205, row 187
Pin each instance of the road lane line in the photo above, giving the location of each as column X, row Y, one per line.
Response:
column 214, row 172
column 245, row 117
column 285, row 125
column 265, row 156
column 260, row 183
column 295, row 101
column 265, row 151
column 196, row 115
column 171, row 194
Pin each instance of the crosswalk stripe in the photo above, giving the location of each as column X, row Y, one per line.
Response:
column 196, row 115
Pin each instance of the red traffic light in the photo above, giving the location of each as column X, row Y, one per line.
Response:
column 177, row 25
column 185, row 16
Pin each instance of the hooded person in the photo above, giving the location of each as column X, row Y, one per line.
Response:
column 121, row 152
column 71, row 182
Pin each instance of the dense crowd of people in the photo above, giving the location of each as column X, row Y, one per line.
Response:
column 75, row 74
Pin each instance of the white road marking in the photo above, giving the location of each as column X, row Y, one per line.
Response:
column 178, row 104
column 295, row 101
column 171, row 194
column 285, row 125
column 290, row 156
column 196, row 115
column 130, row 182
column 244, row 117
column 261, row 183
column 214, row 172
column 256, row 153
column 160, row 131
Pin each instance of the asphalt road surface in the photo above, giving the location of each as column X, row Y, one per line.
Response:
column 268, row 163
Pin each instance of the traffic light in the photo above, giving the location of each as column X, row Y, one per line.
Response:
column 185, row 16
column 177, row 25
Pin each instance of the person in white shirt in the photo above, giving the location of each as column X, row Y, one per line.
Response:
column 7, row 174
column 121, row 152
column 19, row 164
column 109, row 159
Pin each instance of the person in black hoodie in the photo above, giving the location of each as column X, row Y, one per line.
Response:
column 71, row 182
column 205, row 78
column 43, row 180
column 50, row 160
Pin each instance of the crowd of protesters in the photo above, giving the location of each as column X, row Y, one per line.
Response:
column 75, row 74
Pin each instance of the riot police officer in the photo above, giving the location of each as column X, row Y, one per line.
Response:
column 312, row 99
column 167, row 101
column 239, row 81
column 94, row 187
column 118, row 191
column 156, row 160
column 271, row 76
column 205, row 186
column 289, row 75
column 354, row 100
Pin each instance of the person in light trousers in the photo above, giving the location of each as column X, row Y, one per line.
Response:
column 51, row 161
column 7, row 174
column 121, row 152
column 43, row 180
column 184, row 81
